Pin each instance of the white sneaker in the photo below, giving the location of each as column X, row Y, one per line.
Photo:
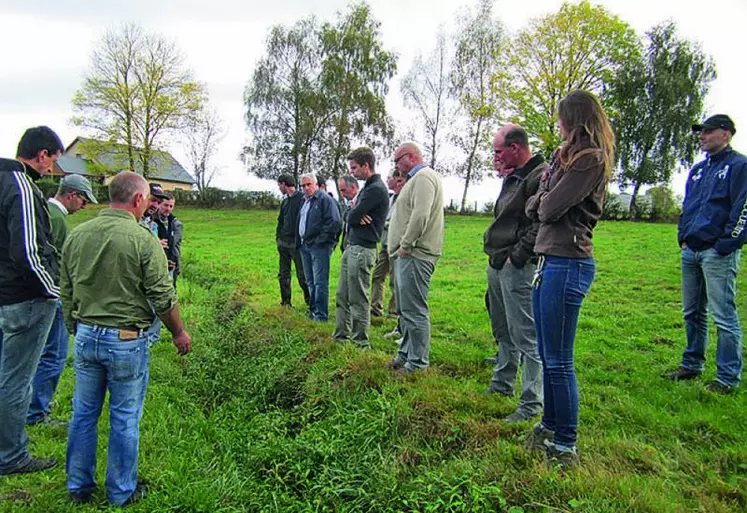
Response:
column 394, row 333
column 400, row 340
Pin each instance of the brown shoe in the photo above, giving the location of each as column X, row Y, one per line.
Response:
column 719, row 388
column 395, row 365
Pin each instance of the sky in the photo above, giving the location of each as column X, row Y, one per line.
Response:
column 45, row 49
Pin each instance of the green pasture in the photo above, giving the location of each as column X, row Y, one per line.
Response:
column 268, row 414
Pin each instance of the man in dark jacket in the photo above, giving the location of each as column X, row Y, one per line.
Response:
column 316, row 237
column 509, row 243
column 285, row 239
column 29, row 288
column 711, row 233
column 171, row 234
column 365, row 224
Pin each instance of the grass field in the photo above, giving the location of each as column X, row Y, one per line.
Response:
column 268, row 414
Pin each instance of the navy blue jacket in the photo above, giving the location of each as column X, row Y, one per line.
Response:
column 714, row 213
column 323, row 223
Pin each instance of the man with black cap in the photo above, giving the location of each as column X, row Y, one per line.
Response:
column 157, row 195
column 73, row 194
column 711, row 234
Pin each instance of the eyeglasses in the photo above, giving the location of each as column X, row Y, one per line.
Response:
column 396, row 160
column 82, row 198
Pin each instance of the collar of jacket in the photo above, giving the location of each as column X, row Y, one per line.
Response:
column 721, row 155
column 33, row 173
column 528, row 167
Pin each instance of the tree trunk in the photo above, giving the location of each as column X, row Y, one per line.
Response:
column 470, row 163
column 633, row 206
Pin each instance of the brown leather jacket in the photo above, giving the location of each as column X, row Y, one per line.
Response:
column 568, row 205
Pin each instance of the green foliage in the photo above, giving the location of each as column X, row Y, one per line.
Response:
column 136, row 90
column 285, row 108
column 268, row 414
column 356, row 70
column 665, row 206
column 657, row 98
column 211, row 197
column 580, row 47
column 479, row 43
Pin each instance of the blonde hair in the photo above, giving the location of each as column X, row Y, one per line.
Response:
column 589, row 131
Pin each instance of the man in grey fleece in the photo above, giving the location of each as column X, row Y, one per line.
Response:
column 416, row 238
column 509, row 244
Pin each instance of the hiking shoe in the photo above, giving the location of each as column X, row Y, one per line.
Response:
column 537, row 437
column 395, row 365
column 560, row 456
column 682, row 374
column 32, row 465
column 719, row 388
column 82, row 497
column 518, row 416
column 48, row 420
column 141, row 490
column 493, row 390
column 394, row 333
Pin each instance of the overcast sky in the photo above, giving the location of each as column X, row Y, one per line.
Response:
column 45, row 49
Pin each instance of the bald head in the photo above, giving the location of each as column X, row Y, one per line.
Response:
column 125, row 185
column 407, row 156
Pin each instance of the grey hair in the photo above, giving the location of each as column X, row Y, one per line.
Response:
column 309, row 175
column 350, row 181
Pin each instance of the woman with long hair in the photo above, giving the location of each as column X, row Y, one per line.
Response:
column 568, row 205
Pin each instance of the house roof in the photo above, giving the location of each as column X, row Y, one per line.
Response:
column 163, row 166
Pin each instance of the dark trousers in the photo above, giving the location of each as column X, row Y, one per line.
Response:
column 289, row 253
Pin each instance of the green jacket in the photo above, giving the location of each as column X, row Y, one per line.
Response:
column 113, row 270
column 59, row 225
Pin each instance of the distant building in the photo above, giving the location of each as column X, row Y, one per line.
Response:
column 164, row 168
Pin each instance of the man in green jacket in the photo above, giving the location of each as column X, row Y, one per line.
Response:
column 73, row 194
column 114, row 275
column 416, row 238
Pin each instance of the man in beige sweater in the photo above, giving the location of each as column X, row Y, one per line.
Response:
column 416, row 238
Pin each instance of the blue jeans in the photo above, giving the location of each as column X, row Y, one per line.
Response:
column 709, row 283
column 51, row 365
column 25, row 327
column 316, row 271
column 559, row 291
column 104, row 362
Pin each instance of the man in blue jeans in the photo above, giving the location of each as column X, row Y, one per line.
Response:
column 29, row 290
column 318, row 230
column 711, row 234
column 73, row 194
column 114, row 274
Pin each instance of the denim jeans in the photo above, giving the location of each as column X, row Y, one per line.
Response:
column 49, row 370
column 512, row 322
column 25, row 327
column 559, row 291
column 104, row 362
column 413, row 284
column 709, row 283
column 316, row 270
column 352, row 314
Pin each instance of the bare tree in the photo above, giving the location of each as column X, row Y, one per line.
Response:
column 425, row 90
column 204, row 133
column 137, row 89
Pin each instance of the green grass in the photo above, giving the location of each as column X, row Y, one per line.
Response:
column 268, row 414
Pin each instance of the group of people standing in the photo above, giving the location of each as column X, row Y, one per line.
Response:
column 540, row 262
column 110, row 282
column 407, row 220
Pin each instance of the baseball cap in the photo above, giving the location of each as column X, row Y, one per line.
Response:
column 717, row 121
column 79, row 184
column 157, row 191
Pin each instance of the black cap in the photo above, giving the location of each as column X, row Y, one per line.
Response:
column 717, row 121
column 157, row 191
